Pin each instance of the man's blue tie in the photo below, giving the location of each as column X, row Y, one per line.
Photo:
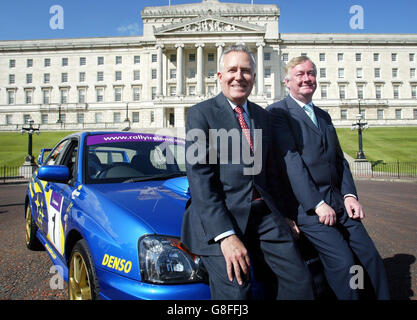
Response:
column 310, row 112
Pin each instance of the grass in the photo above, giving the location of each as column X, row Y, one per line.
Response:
column 14, row 146
column 389, row 144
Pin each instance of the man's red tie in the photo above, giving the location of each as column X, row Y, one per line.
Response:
column 246, row 132
column 244, row 126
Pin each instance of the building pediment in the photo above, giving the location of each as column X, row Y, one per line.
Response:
column 209, row 25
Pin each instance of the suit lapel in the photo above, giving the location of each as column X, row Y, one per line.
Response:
column 298, row 112
column 225, row 116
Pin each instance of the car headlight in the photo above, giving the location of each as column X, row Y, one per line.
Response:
column 166, row 260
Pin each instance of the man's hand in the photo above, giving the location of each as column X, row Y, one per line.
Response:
column 294, row 228
column 237, row 258
column 354, row 208
column 326, row 214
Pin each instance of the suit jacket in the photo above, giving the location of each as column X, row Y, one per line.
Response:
column 221, row 194
column 314, row 160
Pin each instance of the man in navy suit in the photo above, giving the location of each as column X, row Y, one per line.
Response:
column 234, row 221
column 328, row 211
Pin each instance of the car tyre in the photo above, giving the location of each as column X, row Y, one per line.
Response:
column 82, row 278
column 32, row 242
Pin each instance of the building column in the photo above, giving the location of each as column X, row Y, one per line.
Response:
column 200, row 64
column 159, row 70
column 220, row 47
column 180, row 69
column 260, row 72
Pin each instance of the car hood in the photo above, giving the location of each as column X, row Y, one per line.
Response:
column 160, row 204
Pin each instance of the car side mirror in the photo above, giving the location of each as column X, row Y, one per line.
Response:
column 54, row 173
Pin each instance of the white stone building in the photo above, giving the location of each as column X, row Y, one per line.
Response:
column 148, row 82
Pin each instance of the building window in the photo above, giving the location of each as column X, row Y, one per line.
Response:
column 64, row 96
column 210, row 57
column 47, row 62
column 152, row 117
column 80, row 117
column 153, row 76
column 340, row 57
column 376, row 57
column 342, row 92
column 98, row 117
column 12, row 78
column 136, row 94
column 46, row 78
column 153, row 92
column 118, row 59
column 44, row 118
column 28, row 96
column 285, row 57
column 393, row 57
column 100, row 94
column 172, row 90
column 83, row 61
column 29, row 63
column 117, row 94
column 395, row 73
column 211, row 73
column 82, row 76
column 341, row 73
column 267, row 56
column 411, row 57
column 81, row 95
column 322, row 72
column 396, row 91
column 64, row 62
column 303, row 54
column 377, row 72
column 359, row 73
column 380, row 114
column 154, row 58
column 268, row 92
column 398, row 114
column 173, row 58
column 118, row 76
column 100, row 61
column 136, row 59
column 29, row 78
column 267, row 73
column 12, row 63
column 9, row 119
column 64, row 77
column 343, row 114
column 26, row 118
column 135, row 117
column 360, row 91
column 191, row 57
column 378, row 92
column 136, row 75
column 172, row 73
column 46, row 96
column 192, row 73
column 323, row 91
column 414, row 92
column 191, row 90
column 100, row 76
column 415, row 114
column 412, row 73
column 358, row 57
column 116, row 117
column 322, row 56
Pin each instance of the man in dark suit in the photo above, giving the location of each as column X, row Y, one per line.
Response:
column 329, row 213
column 234, row 220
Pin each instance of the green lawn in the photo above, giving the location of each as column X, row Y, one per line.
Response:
column 389, row 144
column 14, row 146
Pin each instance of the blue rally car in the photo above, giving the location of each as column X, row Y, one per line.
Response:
column 107, row 207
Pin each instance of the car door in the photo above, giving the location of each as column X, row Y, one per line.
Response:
column 61, row 198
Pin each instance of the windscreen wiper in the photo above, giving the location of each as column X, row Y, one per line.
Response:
column 155, row 177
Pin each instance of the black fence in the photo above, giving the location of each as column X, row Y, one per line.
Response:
column 15, row 174
column 375, row 169
column 381, row 169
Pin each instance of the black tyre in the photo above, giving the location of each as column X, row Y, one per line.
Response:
column 32, row 242
column 82, row 279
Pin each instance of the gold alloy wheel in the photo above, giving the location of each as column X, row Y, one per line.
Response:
column 28, row 223
column 79, row 284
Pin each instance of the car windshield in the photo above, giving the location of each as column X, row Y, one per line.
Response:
column 132, row 157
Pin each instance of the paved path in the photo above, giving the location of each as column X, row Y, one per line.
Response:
column 391, row 220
